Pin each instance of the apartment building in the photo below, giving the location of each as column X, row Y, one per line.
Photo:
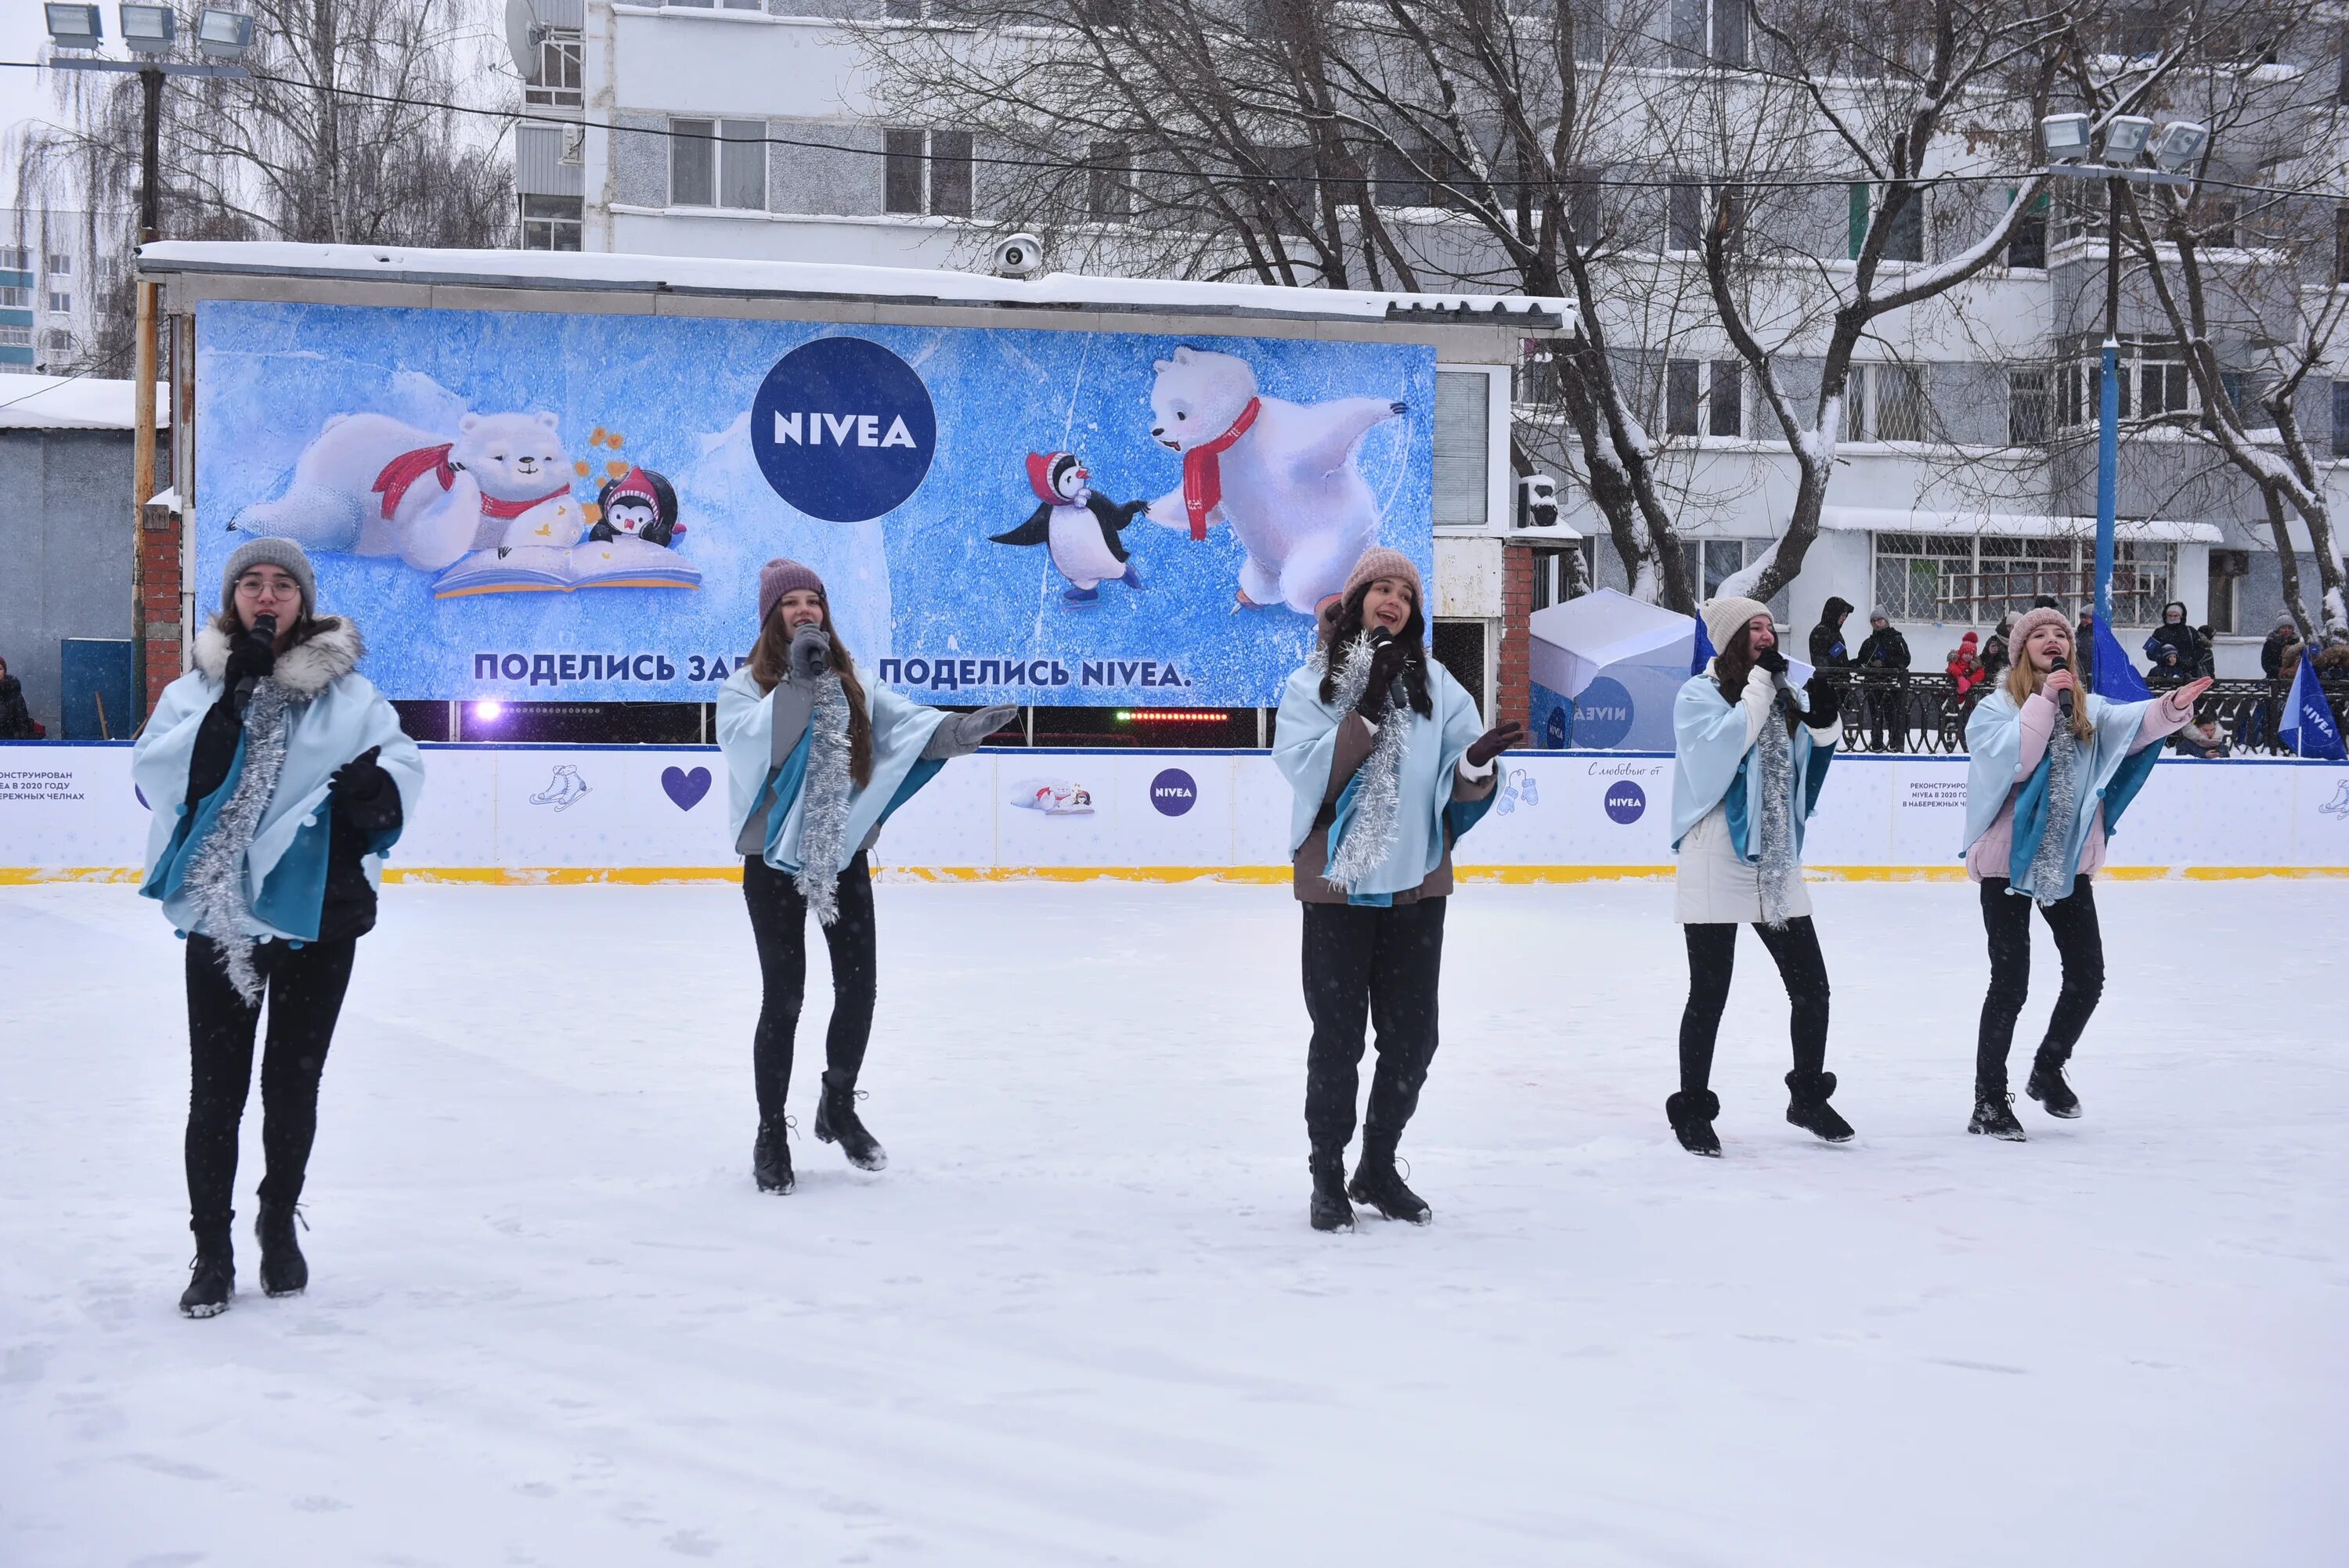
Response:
column 53, row 266
column 1965, row 482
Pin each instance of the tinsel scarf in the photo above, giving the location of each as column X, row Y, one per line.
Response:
column 1781, row 872
column 823, row 801
column 2048, row 877
column 216, row 873
column 1369, row 830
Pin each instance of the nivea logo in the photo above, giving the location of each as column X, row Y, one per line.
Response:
column 844, row 429
column 1173, row 792
column 1626, row 800
column 1602, row 715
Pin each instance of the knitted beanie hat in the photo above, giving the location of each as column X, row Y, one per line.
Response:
column 779, row 577
column 1724, row 617
column 281, row 552
column 1379, row 561
column 1970, row 642
column 2031, row 621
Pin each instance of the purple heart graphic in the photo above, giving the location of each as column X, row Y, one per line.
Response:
column 686, row 789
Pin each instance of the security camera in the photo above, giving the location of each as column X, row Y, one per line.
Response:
column 1020, row 256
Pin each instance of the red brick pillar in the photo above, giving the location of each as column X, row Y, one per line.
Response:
column 1515, row 677
column 159, row 559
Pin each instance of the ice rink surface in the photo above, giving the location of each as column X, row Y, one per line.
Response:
column 1081, row 1320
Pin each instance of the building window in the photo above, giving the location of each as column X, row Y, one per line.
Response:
column 16, row 337
column 1708, row 32
column 1914, row 573
column 2341, row 245
column 1725, row 412
column 1681, row 395
column 555, row 82
column 1590, row 20
column 2228, row 570
column 927, row 172
column 2341, row 419
column 1109, row 182
column 1684, row 216
column 60, row 303
column 1463, row 448
column 56, row 341
column 2082, row 210
column 1885, row 403
column 2215, row 222
column 743, row 163
column 2026, row 243
column 1975, row 580
column 16, row 297
column 1703, row 395
column 2153, row 381
column 550, row 222
column 692, row 163
column 1904, row 239
column 2026, row 407
column 14, row 259
column 60, row 266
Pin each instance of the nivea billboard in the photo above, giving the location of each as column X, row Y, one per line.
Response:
column 535, row 505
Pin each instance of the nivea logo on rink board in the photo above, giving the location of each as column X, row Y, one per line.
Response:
column 1626, row 800
column 1602, row 715
column 844, row 429
column 1173, row 792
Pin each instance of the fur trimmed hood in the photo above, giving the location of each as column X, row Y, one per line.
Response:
column 331, row 651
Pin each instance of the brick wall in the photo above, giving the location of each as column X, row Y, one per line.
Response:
column 159, row 550
column 1516, row 679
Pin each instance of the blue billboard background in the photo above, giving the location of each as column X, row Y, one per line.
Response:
column 451, row 470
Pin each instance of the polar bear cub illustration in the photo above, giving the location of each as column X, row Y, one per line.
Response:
column 1280, row 475
column 373, row 486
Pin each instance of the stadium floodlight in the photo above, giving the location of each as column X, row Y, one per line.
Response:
column 2182, row 141
column 2125, row 136
column 74, row 26
column 148, row 29
column 2065, row 135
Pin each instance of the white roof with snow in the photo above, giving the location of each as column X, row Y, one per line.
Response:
column 707, row 275
column 73, row 403
column 2011, row 525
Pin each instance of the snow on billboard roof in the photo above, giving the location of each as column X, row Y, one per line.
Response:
column 73, row 403
column 721, row 276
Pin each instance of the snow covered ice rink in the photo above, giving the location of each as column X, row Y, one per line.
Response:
column 1081, row 1320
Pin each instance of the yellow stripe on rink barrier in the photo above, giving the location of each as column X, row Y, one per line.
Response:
column 672, row 876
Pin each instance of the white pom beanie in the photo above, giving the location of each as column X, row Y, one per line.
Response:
column 1724, row 617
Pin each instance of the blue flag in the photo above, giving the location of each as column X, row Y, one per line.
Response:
column 2307, row 722
column 2110, row 672
column 1705, row 649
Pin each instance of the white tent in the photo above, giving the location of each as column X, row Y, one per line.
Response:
column 1574, row 641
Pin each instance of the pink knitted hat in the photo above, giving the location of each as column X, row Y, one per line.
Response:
column 2031, row 621
column 1378, row 562
column 779, row 577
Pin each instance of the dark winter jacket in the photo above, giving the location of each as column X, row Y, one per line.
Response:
column 2169, row 669
column 1994, row 658
column 1828, row 650
column 2173, row 634
column 347, row 908
column 15, row 719
column 1885, row 650
column 2271, row 651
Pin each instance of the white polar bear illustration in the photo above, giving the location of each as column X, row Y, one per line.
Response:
column 373, row 486
column 1281, row 474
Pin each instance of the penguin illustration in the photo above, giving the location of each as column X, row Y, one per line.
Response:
column 639, row 504
column 1079, row 528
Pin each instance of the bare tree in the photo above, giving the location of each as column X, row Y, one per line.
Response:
column 342, row 134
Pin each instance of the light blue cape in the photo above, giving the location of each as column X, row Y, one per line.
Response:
column 2109, row 774
column 1713, row 766
column 285, row 868
column 746, row 736
column 1305, row 743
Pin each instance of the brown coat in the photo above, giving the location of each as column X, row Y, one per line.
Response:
column 1355, row 737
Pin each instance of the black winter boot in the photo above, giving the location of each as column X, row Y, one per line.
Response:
column 283, row 1270
column 1377, row 1183
column 214, row 1280
column 1692, row 1118
column 770, row 1155
column 836, row 1121
column 1330, row 1211
column 1994, row 1114
column 1807, row 1107
column 2046, row 1086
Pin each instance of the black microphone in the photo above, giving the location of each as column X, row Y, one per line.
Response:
column 266, row 628
column 2064, row 699
column 1396, row 696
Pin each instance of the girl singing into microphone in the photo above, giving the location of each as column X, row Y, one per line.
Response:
column 2052, row 768
column 1750, row 752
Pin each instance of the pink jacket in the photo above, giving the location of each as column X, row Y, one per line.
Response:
column 1993, row 854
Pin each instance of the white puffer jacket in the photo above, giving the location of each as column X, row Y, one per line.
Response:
column 1712, row 886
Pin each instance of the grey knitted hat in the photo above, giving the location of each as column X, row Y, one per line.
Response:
column 282, row 552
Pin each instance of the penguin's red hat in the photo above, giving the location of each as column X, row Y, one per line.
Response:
column 634, row 483
column 1044, row 471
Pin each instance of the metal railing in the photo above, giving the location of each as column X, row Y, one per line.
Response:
column 1922, row 713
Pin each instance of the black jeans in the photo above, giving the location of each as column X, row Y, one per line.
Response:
column 1712, row 958
column 778, row 925
column 304, row 990
column 1380, row 966
column 2078, row 943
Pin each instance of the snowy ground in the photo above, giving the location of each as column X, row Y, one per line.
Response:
column 1081, row 1320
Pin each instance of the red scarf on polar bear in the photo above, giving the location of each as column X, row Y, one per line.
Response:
column 405, row 469
column 1203, row 473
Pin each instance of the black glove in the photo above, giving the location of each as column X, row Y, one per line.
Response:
column 250, row 658
column 1771, row 660
column 365, row 794
column 1495, row 741
column 1386, row 667
column 810, row 651
column 1826, row 699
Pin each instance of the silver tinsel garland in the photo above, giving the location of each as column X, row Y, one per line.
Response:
column 2049, row 876
column 1378, row 803
column 823, row 801
column 216, row 872
column 1773, row 813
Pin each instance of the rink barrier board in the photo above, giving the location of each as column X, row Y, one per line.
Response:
column 551, row 815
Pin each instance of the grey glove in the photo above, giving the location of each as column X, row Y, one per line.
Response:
column 810, row 651
column 964, row 733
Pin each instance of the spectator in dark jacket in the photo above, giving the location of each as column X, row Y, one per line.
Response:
column 1994, row 654
column 2169, row 668
column 2173, row 633
column 2271, row 651
column 15, row 719
column 1828, row 650
column 2206, row 652
column 1884, row 655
